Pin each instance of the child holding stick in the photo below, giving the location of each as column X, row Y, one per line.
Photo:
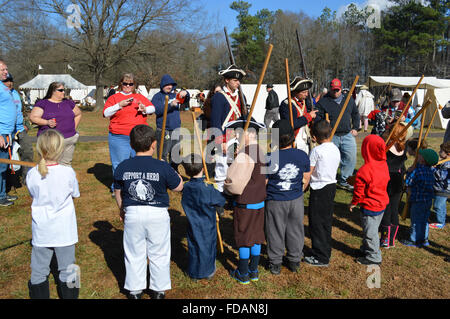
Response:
column 54, row 225
column 199, row 202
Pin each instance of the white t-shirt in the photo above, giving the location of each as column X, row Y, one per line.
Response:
column 325, row 158
column 54, row 223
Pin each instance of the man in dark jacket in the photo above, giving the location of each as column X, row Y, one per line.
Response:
column 272, row 106
column 347, row 130
column 446, row 115
column 173, row 121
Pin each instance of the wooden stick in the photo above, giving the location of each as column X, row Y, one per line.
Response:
column 258, row 87
column 163, row 132
column 422, row 110
column 443, row 161
column 419, row 144
column 288, row 84
column 15, row 162
column 199, row 140
column 349, row 95
column 432, row 120
column 404, row 110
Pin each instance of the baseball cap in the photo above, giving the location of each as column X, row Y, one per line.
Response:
column 430, row 156
column 335, row 84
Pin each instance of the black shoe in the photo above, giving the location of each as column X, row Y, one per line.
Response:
column 39, row 291
column 275, row 269
column 293, row 266
column 365, row 261
column 345, row 186
column 65, row 292
column 313, row 261
column 135, row 296
column 4, row 202
column 11, row 198
column 157, row 294
column 242, row 279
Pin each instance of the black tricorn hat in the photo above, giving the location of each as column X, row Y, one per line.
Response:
column 240, row 123
column 300, row 84
column 233, row 72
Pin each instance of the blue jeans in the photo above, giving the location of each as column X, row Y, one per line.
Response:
column 3, row 171
column 440, row 207
column 420, row 212
column 119, row 150
column 347, row 147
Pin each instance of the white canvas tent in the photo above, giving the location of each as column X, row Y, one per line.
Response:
column 38, row 86
column 438, row 90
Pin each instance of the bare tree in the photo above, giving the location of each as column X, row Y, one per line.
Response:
column 102, row 25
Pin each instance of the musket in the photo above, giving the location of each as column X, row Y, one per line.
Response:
column 305, row 74
column 232, row 61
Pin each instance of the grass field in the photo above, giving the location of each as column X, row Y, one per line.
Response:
column 405, row 273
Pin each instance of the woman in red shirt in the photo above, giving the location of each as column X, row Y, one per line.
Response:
column 125, row 109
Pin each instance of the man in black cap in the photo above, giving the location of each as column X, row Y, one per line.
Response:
column 272, row 106
column 299, row 92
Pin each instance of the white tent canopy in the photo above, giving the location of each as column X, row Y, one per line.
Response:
column 408, row 82
column 438, row 90
column 42, row 81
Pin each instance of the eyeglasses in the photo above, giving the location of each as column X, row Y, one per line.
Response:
column 127, row 84
column 60, row 90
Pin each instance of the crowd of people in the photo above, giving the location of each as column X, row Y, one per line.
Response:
column 265, row 191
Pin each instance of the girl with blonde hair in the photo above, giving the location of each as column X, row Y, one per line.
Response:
column 54, row 227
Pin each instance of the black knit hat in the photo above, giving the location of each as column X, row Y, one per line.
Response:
column 233, row 72
column 284, row 127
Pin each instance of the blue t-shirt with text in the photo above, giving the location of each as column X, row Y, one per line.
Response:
column 144, row 181
column 285, row 178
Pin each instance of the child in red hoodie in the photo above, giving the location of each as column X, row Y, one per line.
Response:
column 370, row 193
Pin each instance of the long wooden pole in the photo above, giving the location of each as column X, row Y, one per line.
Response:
column 258, row 87
column 404, row 110
column 422, row 110
column 432, row 120
column 419, row 144
column 349, row 95
column 288, row 85
column 15, row 162
column 205, row 169
column 163, row 132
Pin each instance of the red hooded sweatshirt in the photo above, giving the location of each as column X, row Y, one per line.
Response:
column 370, row 189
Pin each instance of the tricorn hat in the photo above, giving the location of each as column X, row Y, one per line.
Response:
column 240, row 123
column 300, row 84
column 233, row 72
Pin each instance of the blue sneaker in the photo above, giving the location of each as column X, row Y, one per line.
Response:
column 242, row 279
column 253, row 275
column 426, row 243
column 408, row 243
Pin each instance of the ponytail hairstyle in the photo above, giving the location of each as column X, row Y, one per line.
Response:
column 50, row 146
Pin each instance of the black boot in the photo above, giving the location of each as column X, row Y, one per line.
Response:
column 39, row 291
column 65, row 292
column 253, row 268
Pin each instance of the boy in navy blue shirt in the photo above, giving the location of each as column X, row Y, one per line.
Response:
column 140, row 185
column 199, row 202
column 284, row 204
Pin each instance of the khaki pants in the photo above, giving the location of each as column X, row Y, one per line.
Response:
column 69, row 148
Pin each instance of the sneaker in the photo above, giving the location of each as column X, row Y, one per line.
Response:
column 436, row 226
column 253, row 275
column 365, row 261
column 408, row 243
column 293, row 266
column 384, row 243
column 11, row 198
column 4, row 202
column 275, row 269
column 135, row 296
column 345, row 186
column 426, row 243
column 242, row 279
column 311, row 260
column 157, row 294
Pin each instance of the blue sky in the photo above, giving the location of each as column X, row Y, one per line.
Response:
column 227, row 17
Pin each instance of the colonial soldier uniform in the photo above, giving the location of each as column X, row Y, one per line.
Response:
column 299, row 112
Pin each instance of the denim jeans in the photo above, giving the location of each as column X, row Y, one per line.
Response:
column 119, row 150
column 3, row 171
column 440, row 207
column 420, row 212
column 347, row 147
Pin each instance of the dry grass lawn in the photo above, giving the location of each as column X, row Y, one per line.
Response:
column 405, row 273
